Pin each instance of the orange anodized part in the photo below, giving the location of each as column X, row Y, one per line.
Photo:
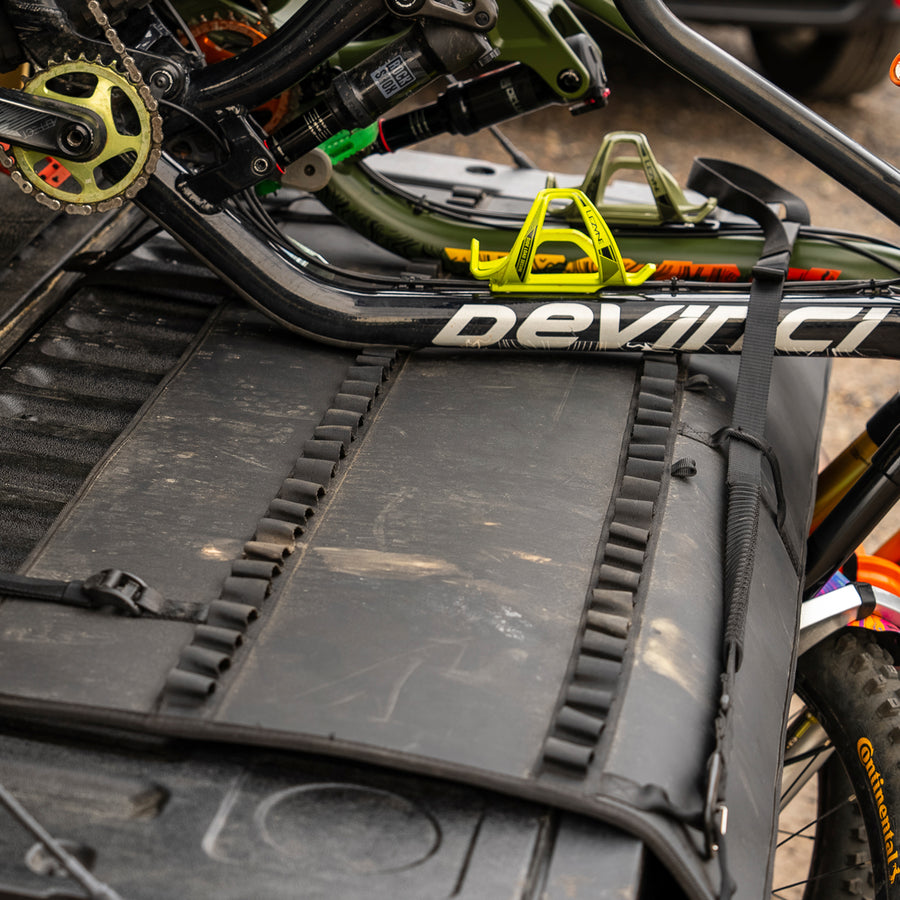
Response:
column 881, row 573
column 877, row 571
column 222, row 38
column 895, row 70
column 54, row 172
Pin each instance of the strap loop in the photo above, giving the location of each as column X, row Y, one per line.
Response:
column 723, row 435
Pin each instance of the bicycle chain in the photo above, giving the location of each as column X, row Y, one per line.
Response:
column 145, row 96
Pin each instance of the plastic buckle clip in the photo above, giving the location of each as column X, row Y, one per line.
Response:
column 121, row 590
column 761, row 272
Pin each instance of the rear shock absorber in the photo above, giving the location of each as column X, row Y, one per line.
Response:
column 357, row 97
column 469, row 106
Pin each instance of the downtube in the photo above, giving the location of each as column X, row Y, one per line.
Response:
column 335, row 307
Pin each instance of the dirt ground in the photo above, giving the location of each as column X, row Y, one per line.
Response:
column 682, row 122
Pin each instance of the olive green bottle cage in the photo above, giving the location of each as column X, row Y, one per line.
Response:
column 669, row 202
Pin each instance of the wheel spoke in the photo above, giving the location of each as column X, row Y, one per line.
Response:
column 814, row 760
column 825, row 815
column 802, row 776
column 795, row 834
column 820, row 876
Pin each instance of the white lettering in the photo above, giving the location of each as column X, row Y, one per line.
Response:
column 713, row 322
column 677, row 330
column 564, row 319
column 611, row 338
column 784, row 339
column 862, row 330
column 451, row 334
column 557, row 326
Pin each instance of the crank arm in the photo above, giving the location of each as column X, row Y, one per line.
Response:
column 50, row 126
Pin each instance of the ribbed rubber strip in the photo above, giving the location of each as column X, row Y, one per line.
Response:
column 209, row 654
column 590, row 691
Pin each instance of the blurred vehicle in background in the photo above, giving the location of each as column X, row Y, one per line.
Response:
column 825, row 49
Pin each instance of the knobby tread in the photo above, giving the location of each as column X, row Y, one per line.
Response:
column 851, row 684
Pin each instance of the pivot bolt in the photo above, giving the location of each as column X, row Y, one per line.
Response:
column 162, row 81
column 568, row 80
column 482, row 19
column 405, row 7
column 260, row 165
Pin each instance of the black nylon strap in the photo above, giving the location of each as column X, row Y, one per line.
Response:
column 111, row 587
column 749, row 193
column 744, row 191
column 26, row 588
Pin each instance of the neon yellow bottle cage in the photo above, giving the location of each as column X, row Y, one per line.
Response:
column 515, row 271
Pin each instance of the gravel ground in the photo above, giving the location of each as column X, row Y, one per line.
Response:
column 682, row 122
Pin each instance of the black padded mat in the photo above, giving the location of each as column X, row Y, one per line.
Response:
column 180, row 495
column 446, row 579
column 433, row 613
column 174, row 503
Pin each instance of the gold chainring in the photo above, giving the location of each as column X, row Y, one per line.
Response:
column 129, row 155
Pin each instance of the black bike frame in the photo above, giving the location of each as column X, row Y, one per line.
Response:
column 757, row 99
column 337, row 308
column 313, row 34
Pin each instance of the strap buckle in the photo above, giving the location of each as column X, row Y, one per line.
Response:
column 121, row 590
column 715, row 812
column 767, row 273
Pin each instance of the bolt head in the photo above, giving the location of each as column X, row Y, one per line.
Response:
column 260, row 166
column 568, row 80
column 75, row 138
column 162, row 80
column 482, row 18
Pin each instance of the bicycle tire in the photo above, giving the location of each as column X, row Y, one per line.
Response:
column 850, row 682
column 830, row 65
